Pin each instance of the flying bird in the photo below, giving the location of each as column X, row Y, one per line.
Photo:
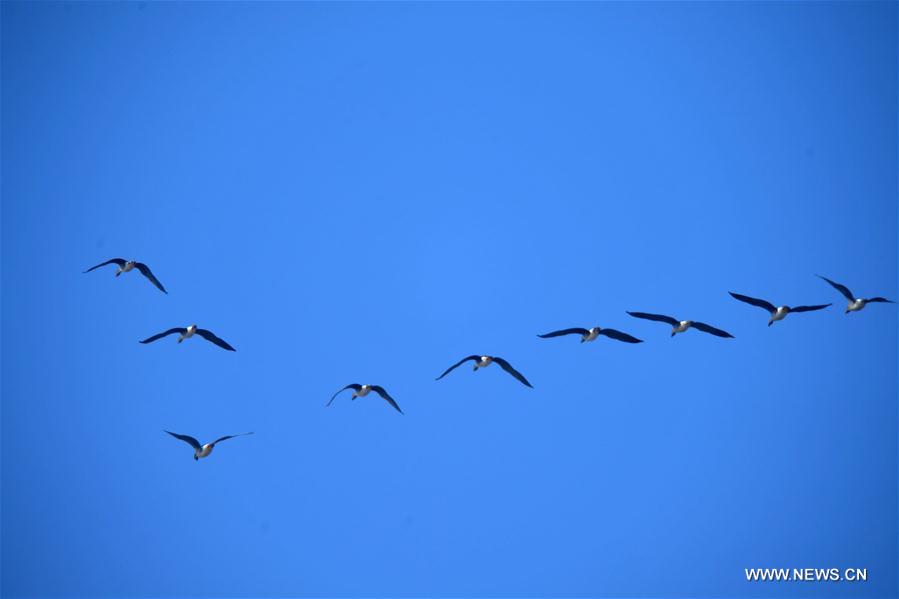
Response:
column 202, row 451
column 484, row 362
column 591, row 334
column 679, row 326
column 855, row 303
column 129, row 265
column 186, row 333
column 776, row 312
column 363, row 390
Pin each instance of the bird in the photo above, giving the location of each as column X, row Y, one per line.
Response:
column 202, row 451
column 484, row 362
column 777, row 312
column 129, row 265
column 855, row 303
column 188, row 332
column 363, row 390
column 591, row 334
column 679, row 326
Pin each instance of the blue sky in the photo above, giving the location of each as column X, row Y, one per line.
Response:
column 369, row 192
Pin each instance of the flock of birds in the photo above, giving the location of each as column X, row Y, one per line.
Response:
column 677, row 326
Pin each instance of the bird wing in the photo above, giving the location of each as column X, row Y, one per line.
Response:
column 574, row 331
column 841, row 288
column 754, row 301
column 210, row 336
column 187, row 439
column 808, row 308
column 353, row 386
column 118, row 261
column 880, row 299
column 710, row 329
column 181, row 330
column 656, row 317
column 508, row 368
column 456, row 365
column 619, row 336
column 226, row 437
column 145, row 270
column 380, row 391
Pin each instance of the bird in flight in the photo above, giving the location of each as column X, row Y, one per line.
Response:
column 591, row 334
column 363, row 390
column 129, row 265
column 855, row 303
column 202, row 451
column 484, row 362
column 776, row 312
column 187, row 333
column 679, row 326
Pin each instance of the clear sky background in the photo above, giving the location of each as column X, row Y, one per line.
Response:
column 369, row 192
